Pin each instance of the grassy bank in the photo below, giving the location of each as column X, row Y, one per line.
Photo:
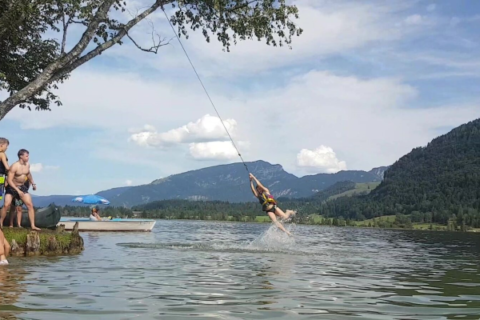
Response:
column 25, row 242
column 379, row 222
column 360, row 188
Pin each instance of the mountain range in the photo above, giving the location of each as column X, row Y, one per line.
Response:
column 438, row 183
column 227, row 182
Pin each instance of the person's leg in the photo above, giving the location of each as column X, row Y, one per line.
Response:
column 27, row 200
column 284, row 215
column 6, row 206
column 3, row 245
column 278, row 224
column 18, row 208
column 6, row 247
column 13, row 211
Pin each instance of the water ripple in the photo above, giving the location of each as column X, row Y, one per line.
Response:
column 210, row 270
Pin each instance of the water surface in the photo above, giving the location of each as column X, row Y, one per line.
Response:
column 221, row 270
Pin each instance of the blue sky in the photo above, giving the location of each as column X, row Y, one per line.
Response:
column 366, row 82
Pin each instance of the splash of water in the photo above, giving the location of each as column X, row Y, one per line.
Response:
column 274, row 239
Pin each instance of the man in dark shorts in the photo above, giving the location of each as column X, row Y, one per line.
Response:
column 18, row 203
column 18, row 174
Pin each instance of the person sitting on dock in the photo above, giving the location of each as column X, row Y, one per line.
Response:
column 94, row 216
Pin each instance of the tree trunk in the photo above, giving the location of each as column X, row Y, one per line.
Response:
column 72, row 60
column 45, row 77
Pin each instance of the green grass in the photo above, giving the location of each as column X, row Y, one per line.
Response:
column 262, row 219
column 365, row 223
column 359, row 188
column 20, row 236
column 426, row 226
column 391, row 219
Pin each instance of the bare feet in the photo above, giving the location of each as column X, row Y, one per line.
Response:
column 35, row 228
column 291, row 213
column 10, row 226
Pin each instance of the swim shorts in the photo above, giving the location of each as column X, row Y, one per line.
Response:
column 14, row 193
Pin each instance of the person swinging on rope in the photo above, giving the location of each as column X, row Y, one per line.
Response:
column 269, row 204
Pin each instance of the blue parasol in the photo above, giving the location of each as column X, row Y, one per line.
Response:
column 91, row 199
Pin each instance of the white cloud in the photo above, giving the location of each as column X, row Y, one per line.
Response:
column 52, row 167
column 414, row 19
column 36, row 167
column 431, row 7
column 322, row 159
column 348, row 112
column 145, row 128
column 368, row 113
column 215, row 150
column 329, row 28
column 128, row 182
column 454, row 21
column 208, row 128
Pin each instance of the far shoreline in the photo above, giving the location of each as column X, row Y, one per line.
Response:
column 473, row 230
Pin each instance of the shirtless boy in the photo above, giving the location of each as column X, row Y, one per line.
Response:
column 17, row 175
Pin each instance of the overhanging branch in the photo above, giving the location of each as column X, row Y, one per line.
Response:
column 152, row 49
column 106, row 45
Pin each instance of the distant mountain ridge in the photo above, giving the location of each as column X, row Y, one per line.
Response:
column 438, row 183
column 379, row 171
column 227, row 182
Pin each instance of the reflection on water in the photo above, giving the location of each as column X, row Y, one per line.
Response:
column 218, row 270
column 12, row 285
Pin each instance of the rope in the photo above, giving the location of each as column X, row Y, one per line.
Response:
column 193, row 67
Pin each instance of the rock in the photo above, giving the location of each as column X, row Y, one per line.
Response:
column 32, row 247
column 15, row 248
column 75, row 228
column 52, row 244
column 25, row 242
column 76, row 242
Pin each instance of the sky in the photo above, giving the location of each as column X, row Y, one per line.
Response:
column 365, row 83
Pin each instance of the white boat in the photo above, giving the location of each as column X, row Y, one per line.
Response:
column 85, row 224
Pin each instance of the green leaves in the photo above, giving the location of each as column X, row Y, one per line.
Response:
column 24, row 54
column 231, row 21
column 32, row 62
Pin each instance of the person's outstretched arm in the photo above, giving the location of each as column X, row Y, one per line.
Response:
column 261, row 185
column 252, row 186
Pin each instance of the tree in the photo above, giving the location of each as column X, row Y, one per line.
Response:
column 32, row 64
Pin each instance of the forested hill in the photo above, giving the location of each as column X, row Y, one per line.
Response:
column 431, row 183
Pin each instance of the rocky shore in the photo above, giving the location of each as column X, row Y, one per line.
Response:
column 26, row 242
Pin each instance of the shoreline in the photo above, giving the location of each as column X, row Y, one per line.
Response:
column 26, row 242
column 472, row 230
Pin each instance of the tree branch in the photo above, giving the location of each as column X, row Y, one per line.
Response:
column 88, row 34
column 154, row 48
column 106, row 45
column 79, row 22
column 44, row 78
column 64, row 38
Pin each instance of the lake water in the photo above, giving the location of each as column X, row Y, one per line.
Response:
column 220, row 270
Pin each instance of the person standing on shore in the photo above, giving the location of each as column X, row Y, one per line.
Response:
column 19, row 173
column 4, row 167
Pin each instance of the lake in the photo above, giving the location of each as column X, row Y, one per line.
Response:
column 222, row 270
